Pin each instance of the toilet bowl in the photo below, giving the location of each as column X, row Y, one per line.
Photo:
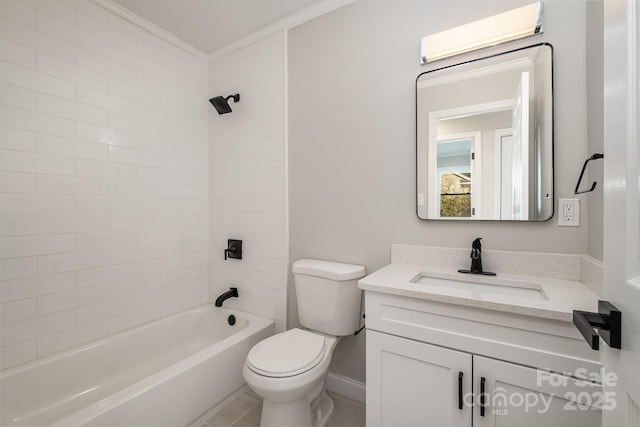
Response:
column 288, row 370
column 292, row 395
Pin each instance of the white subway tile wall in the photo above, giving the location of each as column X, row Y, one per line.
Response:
column 248, row 172
column 104, row 177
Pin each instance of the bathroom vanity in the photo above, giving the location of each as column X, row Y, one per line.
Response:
column 449, row 349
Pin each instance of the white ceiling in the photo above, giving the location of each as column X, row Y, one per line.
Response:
column 211, row 24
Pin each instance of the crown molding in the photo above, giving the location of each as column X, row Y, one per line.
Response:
column 286, row 23
column 150, row 27
column 514, row 64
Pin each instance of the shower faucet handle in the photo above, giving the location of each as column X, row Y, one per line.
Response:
column 234, row 249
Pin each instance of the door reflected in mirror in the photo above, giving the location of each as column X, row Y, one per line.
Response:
column 485, row 138
column 455, row 170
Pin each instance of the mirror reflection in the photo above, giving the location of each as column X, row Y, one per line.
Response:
column 485, row 138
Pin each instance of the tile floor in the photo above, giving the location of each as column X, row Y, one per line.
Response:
column 245, row 409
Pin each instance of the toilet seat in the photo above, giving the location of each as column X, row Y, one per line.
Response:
column 286, row 354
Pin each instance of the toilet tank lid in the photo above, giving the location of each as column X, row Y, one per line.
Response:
column 328, row 269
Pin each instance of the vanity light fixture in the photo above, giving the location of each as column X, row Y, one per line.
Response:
column 514, row 24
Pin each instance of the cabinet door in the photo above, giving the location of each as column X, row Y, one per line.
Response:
column 413, row 384
column 520, row 396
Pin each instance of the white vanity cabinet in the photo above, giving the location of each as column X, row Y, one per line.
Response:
column 410, row 383
column 517, row 396
column 429, row 363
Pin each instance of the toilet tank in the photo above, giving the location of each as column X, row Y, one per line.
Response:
column 328, row 295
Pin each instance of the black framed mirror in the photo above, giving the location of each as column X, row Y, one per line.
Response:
column 484, row 138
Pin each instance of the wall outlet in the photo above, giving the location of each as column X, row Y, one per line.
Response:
column 569, row 212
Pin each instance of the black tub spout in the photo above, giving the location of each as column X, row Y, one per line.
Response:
column 231, row 293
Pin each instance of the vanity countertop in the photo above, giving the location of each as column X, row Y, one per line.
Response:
column 560, row 297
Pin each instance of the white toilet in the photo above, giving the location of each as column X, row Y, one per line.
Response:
column 288, row 370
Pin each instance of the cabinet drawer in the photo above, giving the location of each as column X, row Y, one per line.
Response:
column 541, row 343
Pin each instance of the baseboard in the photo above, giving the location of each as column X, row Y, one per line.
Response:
column 347, row 387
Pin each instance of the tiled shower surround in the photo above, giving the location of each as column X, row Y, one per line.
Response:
column 248, row 173
column 104, row 176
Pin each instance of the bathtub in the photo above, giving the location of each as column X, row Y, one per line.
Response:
column 165, row 373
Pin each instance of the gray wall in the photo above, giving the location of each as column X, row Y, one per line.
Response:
column 351, row 113
column 595, row 115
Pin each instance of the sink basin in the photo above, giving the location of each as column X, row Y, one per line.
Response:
column 477, row 289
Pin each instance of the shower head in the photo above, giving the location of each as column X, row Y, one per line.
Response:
column 222, row 104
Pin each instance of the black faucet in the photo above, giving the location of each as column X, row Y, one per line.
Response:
column 476, row 260
column 231, row 293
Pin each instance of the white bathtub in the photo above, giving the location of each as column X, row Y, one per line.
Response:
column 165, row 373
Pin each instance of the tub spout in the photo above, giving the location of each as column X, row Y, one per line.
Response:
column 232, row 292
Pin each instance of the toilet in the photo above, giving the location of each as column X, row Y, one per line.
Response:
column 288, row 370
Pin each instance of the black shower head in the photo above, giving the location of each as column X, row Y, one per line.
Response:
column 222, row 104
